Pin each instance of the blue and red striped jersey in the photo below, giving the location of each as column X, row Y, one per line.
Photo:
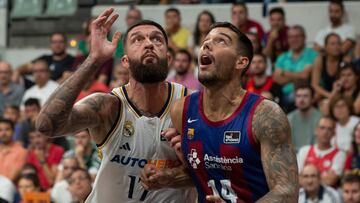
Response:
column 223, row 158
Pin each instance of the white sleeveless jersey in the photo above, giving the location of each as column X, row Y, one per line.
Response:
column 134, row 141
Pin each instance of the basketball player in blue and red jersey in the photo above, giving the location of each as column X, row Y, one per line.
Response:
column 236, row 145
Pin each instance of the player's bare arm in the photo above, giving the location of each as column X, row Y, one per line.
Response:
column 59, row 115
column 272, row 130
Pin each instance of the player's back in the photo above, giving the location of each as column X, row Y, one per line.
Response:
column 135, row 141
column 223, row 156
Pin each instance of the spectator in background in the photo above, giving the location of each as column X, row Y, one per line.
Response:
column 351, row 188
column 259, row 82
column 12, row 154
column 44, row 86
column 32, row 109
column 276, row 40
column 327, row 158
column 80, row 185
column 45, row 156
column 352, row 163
column 13, row 113
column 178, row 35
column 312, row 190
column 59, row 62
column 121, row 76
column 85, row 153
column 92, row 86
column 257, row 49
column 10, row 93
column 28, row 169
column 304, row 118
column 345, row 31
column 28, row 183
column 60, row 192
column 294, row 64
column 184, row 74
column 326, row 67
column 341, row 111
column 204, row 20
column 240, row 19
column 7, row 190
column 357, row 56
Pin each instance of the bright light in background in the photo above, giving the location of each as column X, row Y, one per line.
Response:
column 73, row 43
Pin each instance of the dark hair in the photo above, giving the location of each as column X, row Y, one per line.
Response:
column 32, row 177
column 327, row 38
column 144, row 22
column 353, row 143
column 245, row 47
column 83, row 171
column 299, row 27
column 186, row 52
column 32, row 101
column 339, row 97
column 242, row 4
column 29, row 166
column 339, row 3
column 326, row 117
column 350, row 178
column 197, row 31
column 42, row 61
column 349, row 65
column 304, row 84
column 278, row 10
column 7, row 121
column 177, row 11
column 14, row 107
column 59, row 33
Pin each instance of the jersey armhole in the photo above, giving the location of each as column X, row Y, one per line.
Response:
column 114, row 125
column 252, row 139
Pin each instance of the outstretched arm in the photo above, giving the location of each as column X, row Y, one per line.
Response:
column 59, row 115
column 272, row 130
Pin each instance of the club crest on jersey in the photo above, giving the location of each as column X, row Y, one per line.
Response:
column 190, row 133
column 232, row 137
column 128, row 129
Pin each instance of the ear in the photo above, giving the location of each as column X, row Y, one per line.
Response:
column 125, row 61
column 242, row 62
column 169, row 58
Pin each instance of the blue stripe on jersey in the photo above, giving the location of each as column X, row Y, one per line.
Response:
column 222, row 156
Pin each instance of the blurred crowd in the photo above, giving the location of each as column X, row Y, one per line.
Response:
column 318, row 87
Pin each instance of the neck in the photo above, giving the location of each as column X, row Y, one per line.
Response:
column 336, row 24
column 5, row 87
column 142, row 96
column 297, row 52
column 324, row 146
column 7, row 145
column 88, row 149
column 344, row 121
column 332, row 58
column 41, row 85
column 59, row 57
column 350, row 90
column 175, row 29
column 220, row 102
column 313, row 194
column 180, row 77
column 260, row 79
column 305, row 112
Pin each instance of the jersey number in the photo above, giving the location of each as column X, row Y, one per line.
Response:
column 132, row 186
column 227, row 192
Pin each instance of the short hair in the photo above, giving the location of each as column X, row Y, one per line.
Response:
column 32, row 177
column 14, row 107
column 339, row 3
column 83, row 171
column 262, row 56
column 338, row 97
column 304, row 84
column 327, row 118
column 299, row 27
column 278, row 10
column 350, row 178
column 349, row 66
column 242, row 4
column 32, row 101
column 327, row 38
column 245, row 47
column 40, row 60
column 144, row 22
column 186, row 52
column 59, row 33
column 8, row 122
column 175, row 10
column 133, row 8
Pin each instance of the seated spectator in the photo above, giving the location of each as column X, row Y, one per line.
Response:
column 257, row 49
column 326, row 67
column 44, row 86
column 10, row 93
column 80, row 185
column 352, row 163
column 12, row 154
column 184, row 74
column 312, row 190
column 28, row 169
column 341, row 111
column 60, row 192
column 178, row 36
column 59, row 62
column 45, row 156
column 337, row 25
column 327, row 158
column 351, row 188
column 32, row 110
column 13, row 113
column 323, row 105
column 85, row 152
column 202, row 27
column 304, row 118
column 28, row 183
column 92, row 86
column 294, row 64
column 276, row 40
column 121, row 76
column 259, row 82
column 7, row 190
column 240, row 19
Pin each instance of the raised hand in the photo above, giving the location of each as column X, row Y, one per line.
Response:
column 101, row 49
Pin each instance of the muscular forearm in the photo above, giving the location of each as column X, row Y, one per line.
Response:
column 57, row 110
column 181, row 178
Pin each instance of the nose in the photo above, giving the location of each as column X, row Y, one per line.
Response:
column 206, row 45
column 149, row 44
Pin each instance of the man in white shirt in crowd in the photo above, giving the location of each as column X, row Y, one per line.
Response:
column 7, row 190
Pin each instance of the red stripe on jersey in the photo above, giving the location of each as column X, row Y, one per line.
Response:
column 184, row 115
column 250, row 134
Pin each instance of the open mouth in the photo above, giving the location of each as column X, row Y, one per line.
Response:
column 205, row 60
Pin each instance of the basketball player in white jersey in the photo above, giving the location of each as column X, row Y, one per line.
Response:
column 126, row 124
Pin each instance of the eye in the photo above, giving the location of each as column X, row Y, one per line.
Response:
column 220, row 41
column 138, row 39
column 157, row 39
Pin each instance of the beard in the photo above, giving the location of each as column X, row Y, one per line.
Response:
column 149, row 73
column 215, row 78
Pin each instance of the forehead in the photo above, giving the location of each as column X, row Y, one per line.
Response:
column 326, row 122
column 40, row 64
column 222, row 30
column 144, row 29
column 3, row 125
column 5, row 67
column 57, row 37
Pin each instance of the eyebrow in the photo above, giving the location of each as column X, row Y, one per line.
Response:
column 227, row 36
column 135, row 33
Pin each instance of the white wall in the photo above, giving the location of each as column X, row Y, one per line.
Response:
column 3, row 19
